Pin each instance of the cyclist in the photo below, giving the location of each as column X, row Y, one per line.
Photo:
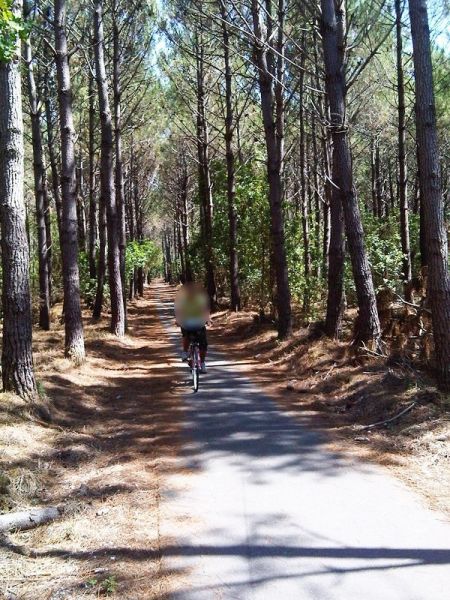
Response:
column 192, row 314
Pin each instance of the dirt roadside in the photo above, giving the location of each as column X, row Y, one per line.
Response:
column 320, row 383
column 113, row 439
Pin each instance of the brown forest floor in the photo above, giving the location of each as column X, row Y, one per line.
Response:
column 320, row 382
column 113, row 438
column 115, row 434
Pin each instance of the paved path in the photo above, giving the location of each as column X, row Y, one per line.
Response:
column 269, row 513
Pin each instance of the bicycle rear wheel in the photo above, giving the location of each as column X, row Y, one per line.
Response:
column 195, row 369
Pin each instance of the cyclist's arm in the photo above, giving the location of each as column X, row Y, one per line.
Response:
column 177, row 309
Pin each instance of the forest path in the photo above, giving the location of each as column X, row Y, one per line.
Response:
column 265, row 511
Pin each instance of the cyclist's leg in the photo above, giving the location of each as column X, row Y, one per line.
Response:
column 203, row 346
column 185, row 337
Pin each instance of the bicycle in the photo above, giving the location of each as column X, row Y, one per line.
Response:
column 194, row 359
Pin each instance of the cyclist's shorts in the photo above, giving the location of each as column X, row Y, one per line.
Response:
column 200, row 335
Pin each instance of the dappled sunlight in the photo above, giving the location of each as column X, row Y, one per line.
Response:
column 266, row 506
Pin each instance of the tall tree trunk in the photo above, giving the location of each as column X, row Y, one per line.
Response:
column 49, row 236
column 107, row 179
column 402, row 173
column 420, row 208
column 119, row 179
column 393, row 196
column 303, row 190
column 373, row 177
column 40, row 188
column 92, row 197
column 205, row 184
column 51, row 115
column 378, row 185
column 430, row 183
column 17, row 358
column 101, row 262
column 184, row 220
column 336, row 245
column 327, row 191
column 74, row 340
column 139, row 228
column 231, row 171
column 335, row 297
column 54, row 169
column 367, row 326
column 130, row 213
column 81, row 212
column 275, row 158
column 317, row 202
column 180, row 245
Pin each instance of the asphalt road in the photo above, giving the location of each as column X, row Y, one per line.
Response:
column 267, row 512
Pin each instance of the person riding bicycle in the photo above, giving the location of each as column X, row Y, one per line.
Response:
column 192, row 315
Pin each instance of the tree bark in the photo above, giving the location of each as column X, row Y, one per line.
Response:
column 139, row 227
column 119, row 179
column 180, row 245
column 336, row 254
column 419, row 209
column 130, row 206
column 317, row 202
column 204, row 179
column 373, row 177
column 74, row 340
column 40, row 188
column 378, row 182
column 54, row 169
column 231, row 171
column 20, row 521
column 101, row 261
column 107, row 179
column 272, row 110
column 92, row 197
column 81, row 212
column 303, row 191
column 184, row 219
column 367, row 326
column 51, row 115
column 431, row 190
column 402, row 172
column 327, row 191
column 17, row 358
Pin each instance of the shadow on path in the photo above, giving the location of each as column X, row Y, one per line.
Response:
column 270, row 505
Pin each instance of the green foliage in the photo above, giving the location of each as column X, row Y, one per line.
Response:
column 11, row 26
column 384, row 249
column 309, row 292
column 144, row 254
column 105, row 587
column 253, row 227
column 41, row 389
column 88, row 286
column 253, row 239
column 159, row 134
column 109, row 585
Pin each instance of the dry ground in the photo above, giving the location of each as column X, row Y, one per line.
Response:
column 320, row 380
column 116, row 431
column 112, row 439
